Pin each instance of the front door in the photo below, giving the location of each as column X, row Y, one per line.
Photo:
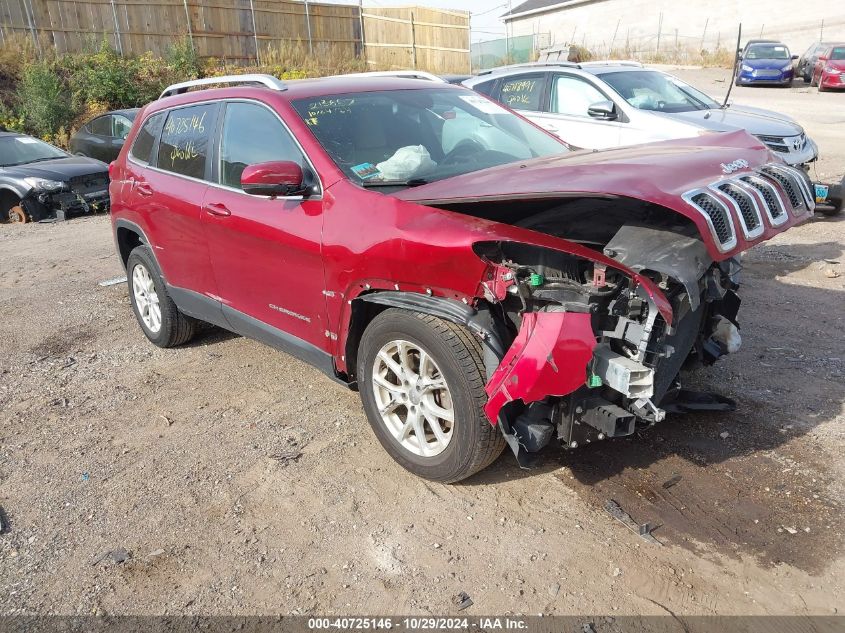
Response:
column 569, row 99
column 265, row 252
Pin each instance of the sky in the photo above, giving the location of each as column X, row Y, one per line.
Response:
column 486, row 23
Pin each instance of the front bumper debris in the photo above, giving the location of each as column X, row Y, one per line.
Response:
column 549, row 357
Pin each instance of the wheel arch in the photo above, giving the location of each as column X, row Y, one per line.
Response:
column 480, row 322
column 7, row 194
column 128, row 236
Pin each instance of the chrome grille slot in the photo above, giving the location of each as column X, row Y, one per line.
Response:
column 787, row 184
column 746, row 207
column 797, row 183
column 717, row 215
column 775, row 207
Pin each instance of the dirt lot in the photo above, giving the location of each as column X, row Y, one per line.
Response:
column 241, row 481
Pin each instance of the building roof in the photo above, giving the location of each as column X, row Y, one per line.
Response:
column 538, row 6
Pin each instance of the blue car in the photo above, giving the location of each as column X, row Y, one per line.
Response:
column 765, row 62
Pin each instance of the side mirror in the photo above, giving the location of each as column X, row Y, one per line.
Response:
column 604, row 110
column 795, row 57
column 822, row 58
column 276, row 178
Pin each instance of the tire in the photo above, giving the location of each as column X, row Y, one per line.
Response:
column 146, row 285
column 454, row 360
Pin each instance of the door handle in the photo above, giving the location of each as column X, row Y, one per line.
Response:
column 143, row 188
column 218, row 209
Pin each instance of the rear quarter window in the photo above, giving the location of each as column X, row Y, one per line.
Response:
column 142, row 148
column 185, row 140
column 485, row 88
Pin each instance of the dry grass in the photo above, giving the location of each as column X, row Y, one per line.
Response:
column 292, row 60
column 719, row 58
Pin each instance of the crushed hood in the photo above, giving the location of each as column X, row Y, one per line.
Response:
column 656, row 173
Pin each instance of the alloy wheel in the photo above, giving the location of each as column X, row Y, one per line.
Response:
column 413, row 399
column 146, row 298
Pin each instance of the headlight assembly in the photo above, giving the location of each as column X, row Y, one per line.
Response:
column 44, row 184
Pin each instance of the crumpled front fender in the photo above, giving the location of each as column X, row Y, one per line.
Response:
column 548, row 357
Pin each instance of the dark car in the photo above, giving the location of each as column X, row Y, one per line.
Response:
column 41, row 182
column 765, row 62
column 479, row 284
column 102, row 138
column 807, row 61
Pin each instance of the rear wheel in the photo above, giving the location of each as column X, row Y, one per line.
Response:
column 422, row 384
column 157, row 314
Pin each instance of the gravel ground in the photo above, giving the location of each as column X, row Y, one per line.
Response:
column 232, row 479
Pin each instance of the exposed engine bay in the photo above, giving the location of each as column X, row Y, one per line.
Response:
column 611, row 361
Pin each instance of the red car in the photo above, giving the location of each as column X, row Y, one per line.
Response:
column 829, row 71
column 478, row 283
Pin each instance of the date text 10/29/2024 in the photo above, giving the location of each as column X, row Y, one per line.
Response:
column 418, row 624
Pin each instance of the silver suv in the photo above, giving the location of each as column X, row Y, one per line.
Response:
column 597, row 105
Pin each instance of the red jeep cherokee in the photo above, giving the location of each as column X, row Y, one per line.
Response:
column 477, row 282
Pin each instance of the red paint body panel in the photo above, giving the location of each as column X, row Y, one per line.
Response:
column 267, row 260
column 549, row 357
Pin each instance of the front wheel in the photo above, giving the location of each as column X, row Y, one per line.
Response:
column 16, row 215
column 157, row 314
column 422, row 384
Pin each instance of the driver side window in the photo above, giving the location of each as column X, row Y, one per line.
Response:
column 573, row 96
column 252, row 134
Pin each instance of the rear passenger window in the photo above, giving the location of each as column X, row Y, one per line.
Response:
column 522, row 92
column 185, row 140
column 142, row 148
column 252, row 134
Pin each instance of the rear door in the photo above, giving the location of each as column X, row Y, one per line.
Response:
column 168, row 174
column 266, row 252
column 120, row 127
column 98, row 143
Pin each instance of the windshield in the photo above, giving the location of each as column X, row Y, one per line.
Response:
column 19, row 150
column 837, row 53
column 767, row 51
column 652, row 90
column 408, row 137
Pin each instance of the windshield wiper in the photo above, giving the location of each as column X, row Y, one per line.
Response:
column 412, row 182
column 38, row 160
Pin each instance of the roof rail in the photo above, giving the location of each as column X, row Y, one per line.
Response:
column 267, row 81
column 611, row 62
column 529, row 65
column 402, row 74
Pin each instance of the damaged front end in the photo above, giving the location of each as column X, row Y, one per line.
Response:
column 597, row 343
column 58, row 200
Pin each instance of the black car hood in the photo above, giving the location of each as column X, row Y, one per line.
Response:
column 60, row 169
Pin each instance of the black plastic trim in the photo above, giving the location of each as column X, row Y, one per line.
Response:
column 448, row 309
column 212, row 311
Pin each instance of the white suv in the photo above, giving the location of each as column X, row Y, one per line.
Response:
column 597, row 105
